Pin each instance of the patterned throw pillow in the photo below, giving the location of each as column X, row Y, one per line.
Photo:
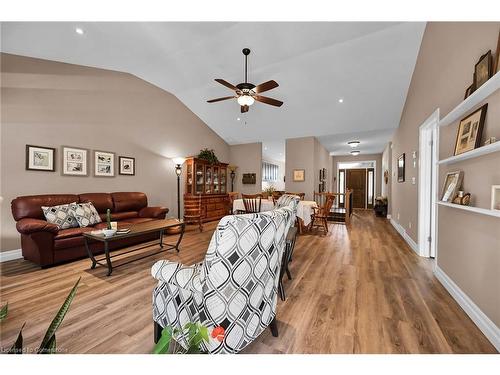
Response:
column 85, row 214
column 61, row 215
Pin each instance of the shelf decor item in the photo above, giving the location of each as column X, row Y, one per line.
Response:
column 483, row 70
column 299, row 175
column 452, row 184
column 401, row 168
column 126, row 165
column 40, row 158
column 104, row 164
column 208, row 155
column 470, row 130
column 495, row 197
column 74, row 161
column 496, row 68
column 469, row 91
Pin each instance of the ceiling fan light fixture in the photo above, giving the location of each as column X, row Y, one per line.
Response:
column 245, row 100
column 355, row 152
column 353, row 144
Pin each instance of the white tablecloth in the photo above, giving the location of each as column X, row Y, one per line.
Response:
column 304, row 209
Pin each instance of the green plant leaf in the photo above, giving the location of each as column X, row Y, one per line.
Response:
column 163, row 343
column 204, row 333
column 17, row 348
column 4, row 311
column 56, row 322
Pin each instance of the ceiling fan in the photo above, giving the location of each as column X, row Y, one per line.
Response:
column 247, row 93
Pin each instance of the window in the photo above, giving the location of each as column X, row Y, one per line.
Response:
column 341, row 189
column 269, row 172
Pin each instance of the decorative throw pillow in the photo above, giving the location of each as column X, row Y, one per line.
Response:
column 85, row 214
column 285, row 200
column 61, row 215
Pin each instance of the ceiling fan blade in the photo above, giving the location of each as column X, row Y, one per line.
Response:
column 227, row 84
column 244, row 108
column 265, row 99
column 220, row 99
column 266, row 86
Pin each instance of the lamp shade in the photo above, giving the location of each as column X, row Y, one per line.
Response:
column 179, row 160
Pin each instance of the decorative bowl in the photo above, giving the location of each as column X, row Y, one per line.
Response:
column 108, row 232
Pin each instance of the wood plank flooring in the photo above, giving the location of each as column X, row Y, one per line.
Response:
column 356, row 290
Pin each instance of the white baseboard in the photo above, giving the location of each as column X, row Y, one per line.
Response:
column 10, row 255
column 405, row 236
column 489, row 329
column 389, row 216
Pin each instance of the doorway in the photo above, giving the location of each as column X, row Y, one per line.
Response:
column 359, row 177
column 427, row 187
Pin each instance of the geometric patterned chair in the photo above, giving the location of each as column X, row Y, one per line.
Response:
column 235, row 287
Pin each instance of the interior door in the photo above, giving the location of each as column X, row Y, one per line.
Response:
column 356, row 180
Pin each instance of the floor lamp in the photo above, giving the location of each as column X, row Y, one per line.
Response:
column 178, row 171
column 232, row 168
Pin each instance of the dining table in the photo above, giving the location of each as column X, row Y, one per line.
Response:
column 305, row 209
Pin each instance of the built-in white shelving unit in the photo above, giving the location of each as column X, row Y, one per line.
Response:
column 484, row 150
column 477, row 210
column 488, row 88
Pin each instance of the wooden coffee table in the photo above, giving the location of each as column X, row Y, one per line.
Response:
column 158, row 226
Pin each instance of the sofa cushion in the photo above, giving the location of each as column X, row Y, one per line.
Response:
column 61, row 215
column 129, row 201
column 101, row 201
column 85, row 214
column 31, row 205
column 72, row 232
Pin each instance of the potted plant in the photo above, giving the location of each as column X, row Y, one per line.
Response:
column 208, row 155
column 380, row 206
column 194, row 334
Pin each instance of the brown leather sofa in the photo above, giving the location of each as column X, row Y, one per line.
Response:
column 45, row 244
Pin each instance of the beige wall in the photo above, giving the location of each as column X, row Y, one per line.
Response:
column 248, row 158
column 469, row 244
column 358, row 158
column 53, row 104
column 385, row 188
column 299, row 154
column 322, row 159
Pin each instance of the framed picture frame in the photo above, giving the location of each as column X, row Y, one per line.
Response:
column 75, row 161
column 401, row 168
column 496, row 68
column 470, row 130
column 299, row 175
column 126, row 165
column 40, row 158
column 483, row 70
column 104, row 164
column 469, row 91
column 249, row 178
column 451, row 185
column 495, row 197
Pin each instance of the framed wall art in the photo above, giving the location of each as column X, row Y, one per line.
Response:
column 401, row 168
column 74, row 161
column 451, row 186
column 299, row 175
column 40, row 158
column 104, row 164
column 126, row 165
column 483, row 70
column 470, row 130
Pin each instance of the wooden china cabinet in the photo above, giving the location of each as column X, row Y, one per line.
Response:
column 209, row 181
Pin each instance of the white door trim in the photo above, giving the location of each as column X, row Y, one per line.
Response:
column 427, row 184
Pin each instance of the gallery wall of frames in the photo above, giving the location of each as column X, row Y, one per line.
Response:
column 76, row 161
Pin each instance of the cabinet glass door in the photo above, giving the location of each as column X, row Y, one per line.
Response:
column 216, row 180
column 222, row 181
column 199, row 179
column 189, row 178
column 208, row 180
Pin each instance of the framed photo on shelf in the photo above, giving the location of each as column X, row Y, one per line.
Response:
column 496, row 68
column 40, row 158
column 452, row 184
column 104, row 164
column 470, row 130
column 495, row 197
column 401, row 168
column 483, row 70
column 469, row 91
column 299, row 175
column 126, row 165
column 74, row 161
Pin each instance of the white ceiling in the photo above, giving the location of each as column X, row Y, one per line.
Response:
column 367, row 64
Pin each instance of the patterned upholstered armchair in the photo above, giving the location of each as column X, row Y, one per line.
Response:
column 234, row 287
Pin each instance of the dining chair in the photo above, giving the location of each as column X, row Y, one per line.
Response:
column 320, row 216
column 232, row 197
column 252, row 202
column 300, row 195
column 193, row 212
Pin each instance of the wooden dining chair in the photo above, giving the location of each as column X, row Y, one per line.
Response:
column 232, row 197
column 320, row 216
column 193, row 211
column 252, row 202
column 300, row 195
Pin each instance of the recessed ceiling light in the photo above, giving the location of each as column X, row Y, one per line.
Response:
column 265, row 148
column 353, row 144
column 341, row 100
column 79, row 30
column 355, row 152
column 238, row 119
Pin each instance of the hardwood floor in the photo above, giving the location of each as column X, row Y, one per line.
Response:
column 357, row 290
